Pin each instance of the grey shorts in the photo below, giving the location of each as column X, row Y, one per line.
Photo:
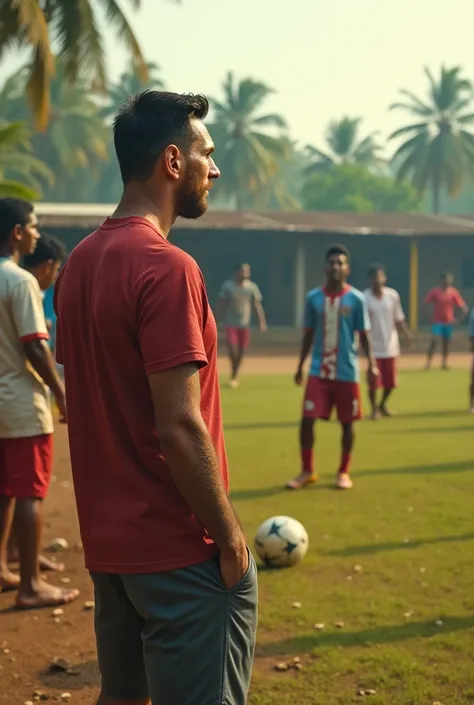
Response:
column 179, row 637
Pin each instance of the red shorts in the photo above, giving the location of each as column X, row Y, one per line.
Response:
column 322, row 395
column 387, row 378
column 240, row 337
column 25, row 466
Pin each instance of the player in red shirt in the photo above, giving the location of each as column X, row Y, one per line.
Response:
column 175, row 585
column 445, row 300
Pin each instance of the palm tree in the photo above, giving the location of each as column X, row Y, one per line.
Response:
column 247, row 153
column 344, row 147
column 21, row 174
column 74, row 144
column 131, row 84
column 438, row 151
column 74, row 27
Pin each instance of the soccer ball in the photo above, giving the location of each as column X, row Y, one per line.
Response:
column 281, row 541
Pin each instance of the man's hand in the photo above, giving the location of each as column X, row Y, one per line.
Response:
column 263, row 327
column 61, row 404
column 299, row 377
column 372, row 374
column 234, row 565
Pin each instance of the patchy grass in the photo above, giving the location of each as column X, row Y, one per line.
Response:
column 409, row 613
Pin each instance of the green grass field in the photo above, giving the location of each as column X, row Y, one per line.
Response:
column 408, row 614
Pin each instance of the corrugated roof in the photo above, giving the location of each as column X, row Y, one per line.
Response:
column 90, row 215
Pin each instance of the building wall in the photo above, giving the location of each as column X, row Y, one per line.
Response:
column 218, row 253
column 272, row 256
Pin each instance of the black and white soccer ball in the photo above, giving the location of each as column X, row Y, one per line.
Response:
column 281, row 541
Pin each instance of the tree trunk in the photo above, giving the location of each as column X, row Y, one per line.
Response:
column 436, row 195
column 239, row 201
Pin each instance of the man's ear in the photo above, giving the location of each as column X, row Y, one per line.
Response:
column 17, row 233
column 173, row 162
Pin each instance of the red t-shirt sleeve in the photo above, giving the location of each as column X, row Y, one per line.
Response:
column 172, row 311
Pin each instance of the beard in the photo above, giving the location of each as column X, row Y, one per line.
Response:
column 192, row 199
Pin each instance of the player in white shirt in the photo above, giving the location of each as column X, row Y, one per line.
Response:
column 387, row 320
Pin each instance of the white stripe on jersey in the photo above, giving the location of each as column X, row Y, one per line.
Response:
column 330, row 336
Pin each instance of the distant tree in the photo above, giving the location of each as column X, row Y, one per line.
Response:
column 249, row 145
column 21, row 174
column 73, row 27
column 438, row 151
column 353, row 187
column 282, row 192
column 129, row 84
column 344, row 146
column 74, row 145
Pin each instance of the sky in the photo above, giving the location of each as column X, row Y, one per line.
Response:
column 323, row 59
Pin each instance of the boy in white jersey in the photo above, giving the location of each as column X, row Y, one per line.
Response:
column 27, row 369
column 387, row 320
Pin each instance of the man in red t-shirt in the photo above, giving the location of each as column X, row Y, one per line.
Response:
column 175, row 585
column 445, row 300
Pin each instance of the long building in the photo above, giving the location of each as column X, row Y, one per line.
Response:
column 286, row 250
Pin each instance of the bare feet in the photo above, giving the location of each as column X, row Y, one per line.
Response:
column 44, row 595
column 45, row 563
column 9, row 581
column 48, row 564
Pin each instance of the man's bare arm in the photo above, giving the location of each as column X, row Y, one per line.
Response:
column 403, row 329
column 41, row 359
column 191, row 458
column 306, row 344
column 366, row 345
column 463, row 312
column 221, row 308
column 262, row 319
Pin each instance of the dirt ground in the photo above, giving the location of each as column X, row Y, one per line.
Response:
column 29, row 641
column 286, row 364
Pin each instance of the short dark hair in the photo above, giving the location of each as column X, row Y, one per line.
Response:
column 147, row 123
column 13, row 211
column 47, row 249
column 336, row 250
column 445, row 275
column 374, row 268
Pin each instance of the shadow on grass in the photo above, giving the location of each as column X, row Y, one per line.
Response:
column 438, row 413
column 367, row 637
column 460, row 466
column 260, row 425
column 430, row 413
column 257, row 492
column 371, row 549
column 438, row 429
column 260, row 492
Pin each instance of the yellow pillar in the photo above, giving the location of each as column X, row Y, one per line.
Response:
column 414, row 285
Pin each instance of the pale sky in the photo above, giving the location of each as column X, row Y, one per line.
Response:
column 324, row 59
